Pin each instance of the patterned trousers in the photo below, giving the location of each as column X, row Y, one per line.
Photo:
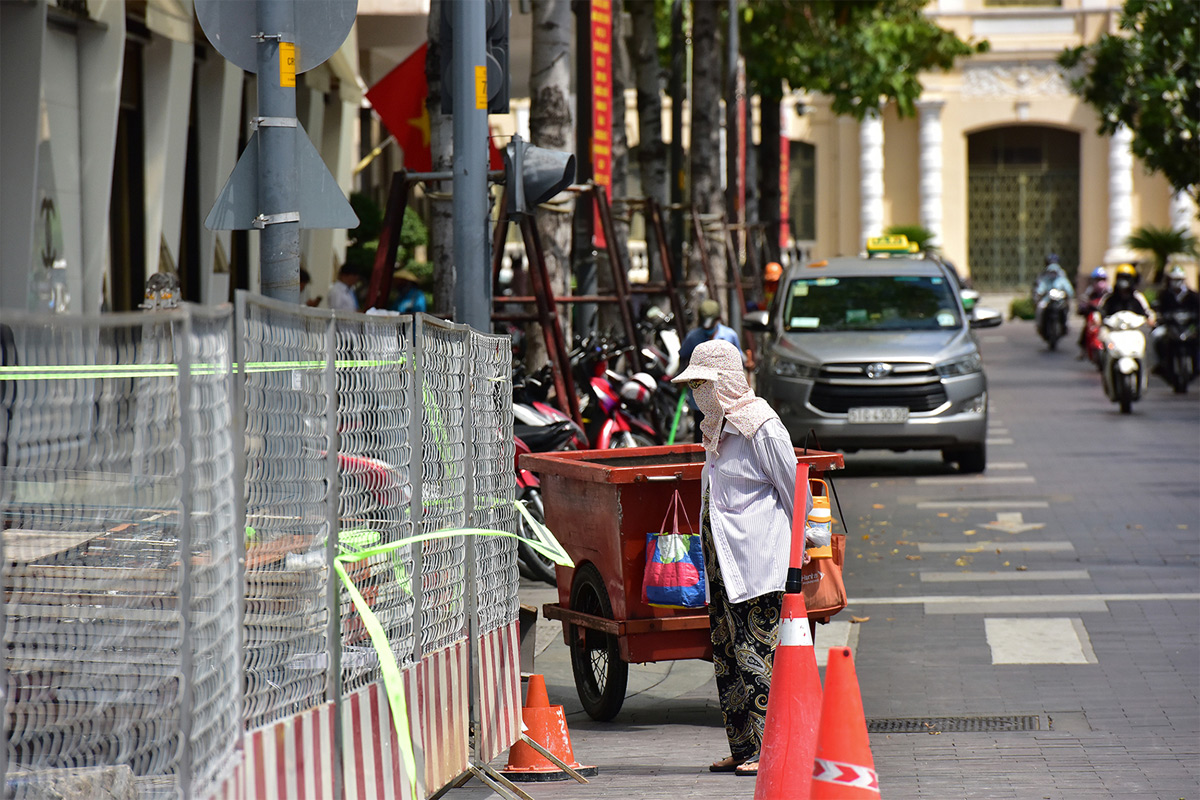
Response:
column 743, row 639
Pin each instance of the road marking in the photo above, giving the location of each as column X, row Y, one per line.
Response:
column 997, row 431
column 1020, row 603
column 993, row 338
column 1013, row 546
column 931, row 576
column 998, row 442
column 986, row 504
column 835, row 634
column 977, row 479
column 1007, row 465
column 1012, row 522
column 1049, row 640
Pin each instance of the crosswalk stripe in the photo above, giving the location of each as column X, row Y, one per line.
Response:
column 943, row 479
column 1046, row 600
column 1006, row 547
column 836, row 634
column 983, row 504
column 998, row 442
column 1007, row 465
column 1048, row 640
column 932, row 576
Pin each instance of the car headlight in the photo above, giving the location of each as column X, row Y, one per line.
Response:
column 795, row 369
column 961, row 366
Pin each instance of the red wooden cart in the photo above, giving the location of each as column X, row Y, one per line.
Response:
column 600, row 504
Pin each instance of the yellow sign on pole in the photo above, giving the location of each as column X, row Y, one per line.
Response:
column 481, row 96
column 287, row 64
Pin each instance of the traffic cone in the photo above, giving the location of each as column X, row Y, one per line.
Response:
column 793, row 710
column 546, row 725
column 843, row 768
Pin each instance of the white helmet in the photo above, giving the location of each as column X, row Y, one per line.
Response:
column 638, row 388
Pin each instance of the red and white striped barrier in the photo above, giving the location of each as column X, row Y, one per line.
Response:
column 292, row 759
column 499, row 667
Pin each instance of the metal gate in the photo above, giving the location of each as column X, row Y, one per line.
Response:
column 1016, row 216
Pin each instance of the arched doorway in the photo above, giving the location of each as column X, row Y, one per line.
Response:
column 1022, row 203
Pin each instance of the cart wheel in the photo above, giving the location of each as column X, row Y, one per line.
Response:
column 600, row 674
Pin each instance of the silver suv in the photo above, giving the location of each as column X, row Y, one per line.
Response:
column 877, row 353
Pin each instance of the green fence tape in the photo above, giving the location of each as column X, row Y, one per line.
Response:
column 393, row 682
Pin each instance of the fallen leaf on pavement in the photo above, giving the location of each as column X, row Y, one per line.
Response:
column 968, row 533
column 943, row 513
column 879, row 505
column 962, row 561
column 866, row 537
column 1022, row 568
column 1006, row 563
column 857, row 620
column 913, row 558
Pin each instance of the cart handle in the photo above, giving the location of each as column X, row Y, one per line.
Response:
column 639, row 478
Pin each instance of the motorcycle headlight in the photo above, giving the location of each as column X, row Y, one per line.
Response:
column 795, row 369
column 961, row 366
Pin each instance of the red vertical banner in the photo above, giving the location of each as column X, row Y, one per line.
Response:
column 602, row 100
column 785, row 214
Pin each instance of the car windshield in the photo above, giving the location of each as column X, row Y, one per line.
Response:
column 871, row 303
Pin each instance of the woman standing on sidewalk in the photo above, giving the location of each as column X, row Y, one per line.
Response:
column 748, row 486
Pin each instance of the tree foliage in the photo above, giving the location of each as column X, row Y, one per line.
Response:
column 1148, row 78
column 1162, row 243
column 855, row 51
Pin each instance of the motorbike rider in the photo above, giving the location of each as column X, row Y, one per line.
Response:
column 1052, row 277
column 1124, row 295
column 1089, row 301
column 1175, row 297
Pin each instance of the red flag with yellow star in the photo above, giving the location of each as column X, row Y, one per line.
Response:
column 399, row 99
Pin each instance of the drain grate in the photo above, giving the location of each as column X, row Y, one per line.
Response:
column 1030, row 722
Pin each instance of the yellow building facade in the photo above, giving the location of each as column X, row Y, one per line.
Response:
column 1002, row 162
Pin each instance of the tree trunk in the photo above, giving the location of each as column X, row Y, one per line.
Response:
column 550, row 126
column 441, row 211
column 706, row 196
column 652, row 150
column 769, row 197
column 610, row 315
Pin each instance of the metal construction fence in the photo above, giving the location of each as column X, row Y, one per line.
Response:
column 292, row 490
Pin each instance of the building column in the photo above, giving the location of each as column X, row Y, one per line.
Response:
column 1120, row 195
column 870, row 169
column 1183, row 211
column 931, row 167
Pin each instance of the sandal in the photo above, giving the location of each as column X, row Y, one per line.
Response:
column 727, row 764
column 747, row 767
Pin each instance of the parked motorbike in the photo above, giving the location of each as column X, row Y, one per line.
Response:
column 1178, row 348
column 608, row 421
column 1123, row 362
column 530, row 562
column 1052, row 316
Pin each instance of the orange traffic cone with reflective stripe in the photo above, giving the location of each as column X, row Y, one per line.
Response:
column 843, row 768
column 794, row 703
column 546, row 725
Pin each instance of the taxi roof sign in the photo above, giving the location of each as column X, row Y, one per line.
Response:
column 896, row 243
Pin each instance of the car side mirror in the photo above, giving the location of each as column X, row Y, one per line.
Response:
column 756, row 321
column 984, row 317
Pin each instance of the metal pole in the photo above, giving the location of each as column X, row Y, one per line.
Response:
column 279, row 218
column 333, row 594
column 472, row 289
column 187, row 644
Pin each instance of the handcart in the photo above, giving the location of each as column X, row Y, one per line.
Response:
column 600, row 504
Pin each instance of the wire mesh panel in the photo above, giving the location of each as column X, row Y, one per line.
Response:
column 443, row 482
column 374, row 380
column 287, row 486
column 118, row 515
column 494, row 488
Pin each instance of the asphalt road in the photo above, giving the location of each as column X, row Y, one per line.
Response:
column 1038, row 625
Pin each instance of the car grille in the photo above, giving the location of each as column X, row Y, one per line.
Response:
column 840, row 398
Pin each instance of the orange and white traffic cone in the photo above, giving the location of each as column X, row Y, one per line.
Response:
column 546, row 725
column 794, row 704
column 843, row 768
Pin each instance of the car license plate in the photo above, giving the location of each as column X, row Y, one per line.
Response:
column 879, row 414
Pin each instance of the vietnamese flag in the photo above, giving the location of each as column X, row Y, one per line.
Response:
column 399, row 99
